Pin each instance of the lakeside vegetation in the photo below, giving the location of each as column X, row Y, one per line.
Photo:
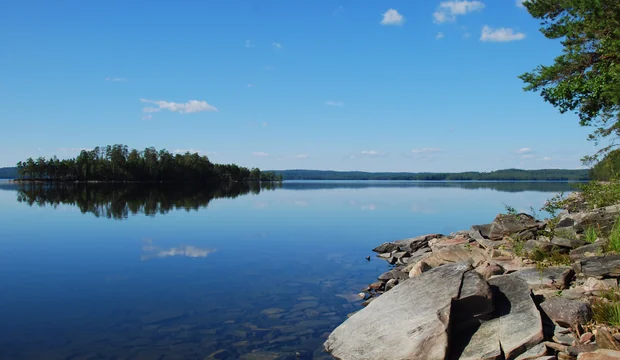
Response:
column 118, row 163
column 499, row 175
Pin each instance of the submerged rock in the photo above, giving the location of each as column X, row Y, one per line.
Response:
column 408, row 322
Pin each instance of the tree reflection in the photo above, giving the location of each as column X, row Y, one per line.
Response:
column 118, row 201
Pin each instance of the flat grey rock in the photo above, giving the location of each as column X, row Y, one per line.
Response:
column 520, row 326
column 408, row 322
column 515, row 329
column 568, row 243
column 599, row 266
column 554, row 277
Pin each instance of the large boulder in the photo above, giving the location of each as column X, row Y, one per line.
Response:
column 522, row 225
column 566, row 312
column 516, row 328
column 410, row 321
column 411, row 245
column 599, row 266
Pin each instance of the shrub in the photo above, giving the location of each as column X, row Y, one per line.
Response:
column 590, row 234
column 614, row 238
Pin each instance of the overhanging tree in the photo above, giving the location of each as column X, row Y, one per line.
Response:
column 585, row 78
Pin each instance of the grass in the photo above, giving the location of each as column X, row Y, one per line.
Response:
column 614, row 238
column 565, row 234
column 591, row 235
column 606, row 309
column 549, row 257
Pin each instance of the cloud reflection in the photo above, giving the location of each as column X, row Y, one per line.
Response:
column 149, row 251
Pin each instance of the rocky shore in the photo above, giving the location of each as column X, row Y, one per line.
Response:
column 517, row 288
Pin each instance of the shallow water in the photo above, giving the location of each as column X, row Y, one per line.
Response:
column 161, row 272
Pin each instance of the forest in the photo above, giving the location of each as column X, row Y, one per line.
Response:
column 118, row 163
column 499, row 175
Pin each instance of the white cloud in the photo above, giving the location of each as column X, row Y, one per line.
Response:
column 466, row 35
column 191, row 106
column 248, row 44
column 265, row 124
column 425, row 150
column 250, row 85
column 115, row 79
column 546, row 158
column 525, row 150
column 500, row 34
column 277, row 45
column 334, row 103
column 449, row 10
column 147, row 117
column 151, row 251
column 439, row 36
column 150, row 110
column 527, row 156
column 260, row 153
column 370, row 153
column 392, row 17
column 301, row 156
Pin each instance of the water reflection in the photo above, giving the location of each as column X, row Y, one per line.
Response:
column 118, row 201
column 150, row 251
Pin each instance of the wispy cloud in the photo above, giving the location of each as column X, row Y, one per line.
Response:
column 248, row 44
column 490, row 34
column 115, row 79
column 439, row 36
column 250, row 85
column 191, row 106
column 546, row 158
column 337, row 10
column 425, row 150
column 449, row 10
column 392, row 17
column 369, row 207
column 277, row 45
column 260, row 153
column 371, row 153
column 150, row 251
column 301, row 156
column 147, row 117
column 334, row 103
column 150, row 110
column 525, row 150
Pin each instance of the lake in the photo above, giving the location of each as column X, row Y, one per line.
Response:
column 180, row 272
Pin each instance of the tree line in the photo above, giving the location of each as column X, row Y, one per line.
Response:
column 118, row 163
column 499, row 175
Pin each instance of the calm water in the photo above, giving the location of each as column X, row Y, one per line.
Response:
column 101, row 272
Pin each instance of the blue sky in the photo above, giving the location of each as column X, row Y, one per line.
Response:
column 344, row 85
